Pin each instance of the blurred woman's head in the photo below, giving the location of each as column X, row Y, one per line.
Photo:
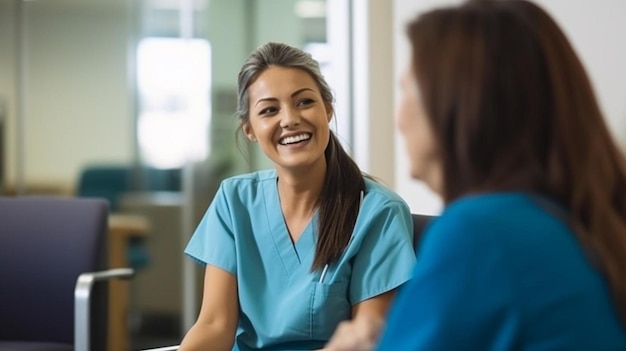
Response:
column 508, row 106
column 505, row 95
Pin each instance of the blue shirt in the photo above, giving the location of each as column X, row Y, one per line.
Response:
column 283, row 305
column 499, row 272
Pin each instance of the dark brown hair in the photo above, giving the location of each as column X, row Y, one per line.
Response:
column 339, row 201
column 512, row 108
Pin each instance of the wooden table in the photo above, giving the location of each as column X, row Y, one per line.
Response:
column 122, row 228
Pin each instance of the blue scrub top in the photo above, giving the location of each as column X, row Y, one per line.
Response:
column 283, row 305
column 499, row 272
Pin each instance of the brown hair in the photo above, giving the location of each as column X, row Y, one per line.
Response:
column 512, row 108
column 339, row 201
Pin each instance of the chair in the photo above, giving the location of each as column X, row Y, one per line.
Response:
column 420, row 221
column 52, row 251
column 111, row 181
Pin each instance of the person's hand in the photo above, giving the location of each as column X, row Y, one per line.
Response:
column 360, row 334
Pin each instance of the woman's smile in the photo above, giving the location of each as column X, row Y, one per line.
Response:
column 295, row 140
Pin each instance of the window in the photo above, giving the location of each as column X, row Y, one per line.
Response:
column 174, row 107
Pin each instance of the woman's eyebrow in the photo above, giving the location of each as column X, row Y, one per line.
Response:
column 295, row 93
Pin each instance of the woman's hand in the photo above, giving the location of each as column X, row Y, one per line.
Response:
column 360, row 334
column 217, row 323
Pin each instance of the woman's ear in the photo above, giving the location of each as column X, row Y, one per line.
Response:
column 247, row 130
column 329, row 112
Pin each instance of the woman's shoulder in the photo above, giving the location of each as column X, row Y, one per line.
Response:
column 247, row 180
column 495, row 207
column 484, row 204
column 505, row 225
column 245, row 189
column 485, row 217
column 379, row 193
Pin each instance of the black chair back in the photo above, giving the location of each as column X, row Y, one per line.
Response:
column 420, row 221
column 45, row 244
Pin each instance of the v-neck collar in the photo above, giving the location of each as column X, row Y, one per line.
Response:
column 293, row 255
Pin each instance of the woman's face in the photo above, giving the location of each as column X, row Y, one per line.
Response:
column 412, row 122
column 288, row 118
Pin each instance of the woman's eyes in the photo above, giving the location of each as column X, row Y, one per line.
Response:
column 305, row 102
column 270, row 110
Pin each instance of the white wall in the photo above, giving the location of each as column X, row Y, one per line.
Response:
column 596, row 30
column 76, row 68
column 76, row 102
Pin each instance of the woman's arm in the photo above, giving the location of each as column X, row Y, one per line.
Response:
column 217, row 323
column 362, row 332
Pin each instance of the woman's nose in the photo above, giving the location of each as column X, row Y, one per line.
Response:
column 290, row 118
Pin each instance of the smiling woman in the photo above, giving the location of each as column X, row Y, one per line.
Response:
column 291, row 252
column 289, row 119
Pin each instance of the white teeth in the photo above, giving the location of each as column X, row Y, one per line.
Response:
column 295, row 139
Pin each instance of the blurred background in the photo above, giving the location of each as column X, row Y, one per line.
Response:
column 133, row 100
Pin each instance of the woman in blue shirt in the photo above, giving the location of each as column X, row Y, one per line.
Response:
column 291, row 252
column 500, row 119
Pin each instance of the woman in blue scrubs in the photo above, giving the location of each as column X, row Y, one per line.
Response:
column 500, row 119
column 291, row 252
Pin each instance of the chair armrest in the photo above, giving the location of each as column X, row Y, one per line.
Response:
column 82, row 302
column 165, row 348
